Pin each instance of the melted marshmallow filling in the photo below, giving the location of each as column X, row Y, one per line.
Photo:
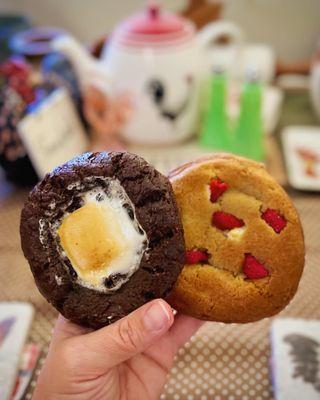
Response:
column 103, row 239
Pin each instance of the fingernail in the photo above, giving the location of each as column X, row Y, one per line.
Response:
column 156, row 317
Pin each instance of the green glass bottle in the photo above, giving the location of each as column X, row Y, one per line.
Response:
column 215, row 133
column 249, row 130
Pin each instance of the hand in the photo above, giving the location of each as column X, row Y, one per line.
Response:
column 127, row 360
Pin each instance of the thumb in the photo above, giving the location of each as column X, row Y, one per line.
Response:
column 127, row 337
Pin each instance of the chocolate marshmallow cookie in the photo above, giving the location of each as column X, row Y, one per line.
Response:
column 102, row 235
column 244, row 242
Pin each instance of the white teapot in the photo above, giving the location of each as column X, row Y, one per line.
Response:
column 157, row 58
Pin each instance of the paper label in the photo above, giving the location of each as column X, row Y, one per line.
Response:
column 53, row 133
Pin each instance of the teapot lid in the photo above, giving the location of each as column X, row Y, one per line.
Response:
column 153, row 28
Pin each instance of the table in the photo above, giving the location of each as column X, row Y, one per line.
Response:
column 221, row 361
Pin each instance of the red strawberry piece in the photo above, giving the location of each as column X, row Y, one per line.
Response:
column 225, row 221
column 196, row 256
column 217, row 188
column 274, row 219
column 253, row 269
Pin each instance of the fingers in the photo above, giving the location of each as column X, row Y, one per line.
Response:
column 183, row 328
column 129, row 336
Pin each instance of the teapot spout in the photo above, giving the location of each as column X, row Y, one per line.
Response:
column 82, row 62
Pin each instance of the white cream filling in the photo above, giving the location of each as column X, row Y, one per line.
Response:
column 133, row 239
column 129, row 259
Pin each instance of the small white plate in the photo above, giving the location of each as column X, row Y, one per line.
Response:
column 301, row 146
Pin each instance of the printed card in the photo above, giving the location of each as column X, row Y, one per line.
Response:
column 301, row 146
column 15, row 320
column 53, row 133
column 28, row 361
column 296, row 358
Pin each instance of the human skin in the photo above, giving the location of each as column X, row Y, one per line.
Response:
column 127, row 360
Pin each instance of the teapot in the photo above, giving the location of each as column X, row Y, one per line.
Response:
column 160, row 61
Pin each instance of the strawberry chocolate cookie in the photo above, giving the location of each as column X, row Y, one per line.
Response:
column 244, row 242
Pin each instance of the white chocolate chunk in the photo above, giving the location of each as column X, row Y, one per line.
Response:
column 236, row 233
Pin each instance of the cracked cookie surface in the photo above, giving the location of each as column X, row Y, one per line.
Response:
column 79, row 226
column 244, row 241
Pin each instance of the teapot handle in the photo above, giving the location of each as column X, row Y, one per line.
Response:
column 213, row 31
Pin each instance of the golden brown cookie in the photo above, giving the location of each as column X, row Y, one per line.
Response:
column 244, row 241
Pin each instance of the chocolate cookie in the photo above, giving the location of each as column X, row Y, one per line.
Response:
column 103, row 236
column 245, row 247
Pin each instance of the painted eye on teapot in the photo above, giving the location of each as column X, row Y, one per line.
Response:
column 156, row 88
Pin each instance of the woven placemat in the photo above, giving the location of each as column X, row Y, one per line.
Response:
column 221, row 361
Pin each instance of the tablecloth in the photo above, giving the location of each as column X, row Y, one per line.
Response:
column 221, row 361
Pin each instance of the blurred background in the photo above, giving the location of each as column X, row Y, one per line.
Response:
column 294, row 33
column 169, row 80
